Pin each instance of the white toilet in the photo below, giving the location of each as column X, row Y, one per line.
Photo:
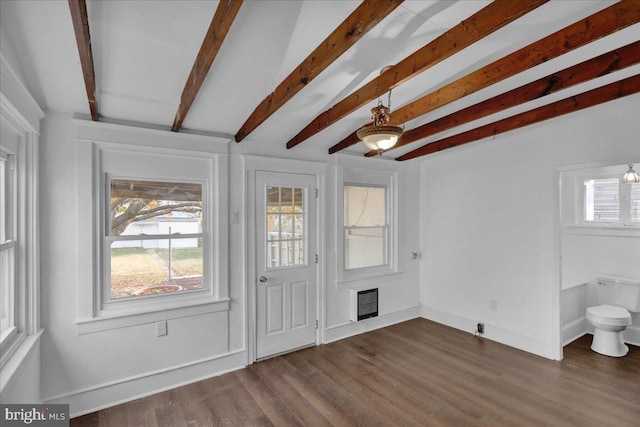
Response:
column 618, row 296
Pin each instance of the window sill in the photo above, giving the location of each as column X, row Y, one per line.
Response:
column 107, row 321
column 10, row 340
column 19, row 353
column 368, row 279
column 604, row 230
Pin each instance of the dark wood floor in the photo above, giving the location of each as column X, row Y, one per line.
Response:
column 417, row 373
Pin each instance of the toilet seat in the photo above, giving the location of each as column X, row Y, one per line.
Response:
column 609, row 315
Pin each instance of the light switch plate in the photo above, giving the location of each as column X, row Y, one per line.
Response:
column 161, row 328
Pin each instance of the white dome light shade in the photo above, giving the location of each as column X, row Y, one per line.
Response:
column 631, row 177
column 380, row 137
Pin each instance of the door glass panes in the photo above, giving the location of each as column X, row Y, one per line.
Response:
column 285, row 227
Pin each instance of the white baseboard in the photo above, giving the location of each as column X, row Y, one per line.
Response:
column 579, row 327
column 494, row 333
column 113, row 393
column 574, row 330
column 338, row 332
column 632, row 335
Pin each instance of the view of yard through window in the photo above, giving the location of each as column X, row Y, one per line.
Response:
column 155, row 238
column 134, row 269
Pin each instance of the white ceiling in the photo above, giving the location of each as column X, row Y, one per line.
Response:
column 144, row 50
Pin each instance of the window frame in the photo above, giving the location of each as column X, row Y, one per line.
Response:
column 8, row 245
column 304, row 241
column 105, row 150
column 384, row 227
column 366, row 178
column 624, row 201
column 20, row 116
column 108, row 239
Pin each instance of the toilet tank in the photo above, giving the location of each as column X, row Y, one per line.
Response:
column 620, row 291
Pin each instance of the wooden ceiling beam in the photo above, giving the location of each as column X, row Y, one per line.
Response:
column 593, row 68
column 616, row 17
column 218, row 29
column 612, row 91
column 80, row 21
column 491, row 18
column 363, row 19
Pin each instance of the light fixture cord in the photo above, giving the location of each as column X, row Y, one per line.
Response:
column 388, row 101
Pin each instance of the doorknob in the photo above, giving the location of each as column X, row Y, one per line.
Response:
column 263, row 279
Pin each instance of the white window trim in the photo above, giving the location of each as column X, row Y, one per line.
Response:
column 20, row 111
column 624, row 218
column 93, row 141
column 10, row 158
column 363, row 177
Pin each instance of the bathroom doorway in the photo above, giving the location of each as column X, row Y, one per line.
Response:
column 599, row 235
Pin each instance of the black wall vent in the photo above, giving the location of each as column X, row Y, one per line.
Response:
column 364, row 304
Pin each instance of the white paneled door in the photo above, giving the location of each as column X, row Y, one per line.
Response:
column 286, row 262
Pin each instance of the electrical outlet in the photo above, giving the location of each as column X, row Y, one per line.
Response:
column 480, row 329
column 493, row 304
column 161, row 328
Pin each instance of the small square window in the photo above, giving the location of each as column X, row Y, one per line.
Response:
column 602, row 200
column 606, row 200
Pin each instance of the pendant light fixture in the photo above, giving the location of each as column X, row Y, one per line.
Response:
column 380, row 135
column 631, row 176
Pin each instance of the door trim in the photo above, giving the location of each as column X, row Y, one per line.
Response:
column 252, row 164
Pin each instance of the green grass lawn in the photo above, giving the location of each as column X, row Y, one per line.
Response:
column 180, row 254
column 128, row 251
column 135, row 268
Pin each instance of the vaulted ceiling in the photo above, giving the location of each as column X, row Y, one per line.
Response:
column 303, row 75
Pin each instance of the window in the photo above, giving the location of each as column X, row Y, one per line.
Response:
column 366, row 235
column 152, row 226
column 608, row 201
column 285, row 227
column 19, row 252
column 8, row 281
column 154, row 238
column 365, row 226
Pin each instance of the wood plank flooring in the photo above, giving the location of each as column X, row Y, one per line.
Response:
column 417, row 373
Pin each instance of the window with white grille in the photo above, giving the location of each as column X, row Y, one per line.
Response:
column 609, row 201
column 8, row 283
column 367, row 236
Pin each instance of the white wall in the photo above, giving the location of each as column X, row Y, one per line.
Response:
column 398, row 293
column 482, row 238
column 587, row 255
column 490, row 222
column 20, row 116
column 100, row 369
